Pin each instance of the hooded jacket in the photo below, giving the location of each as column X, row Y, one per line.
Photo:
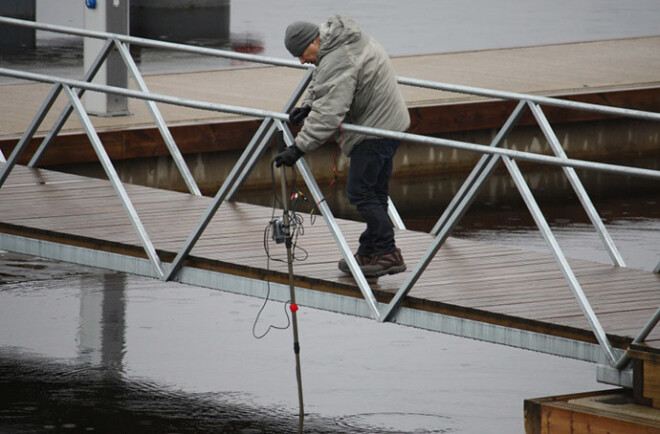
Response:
column 353, row 83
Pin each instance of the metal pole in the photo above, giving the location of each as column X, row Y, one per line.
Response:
column 114, row 180
column 334, row 229
column 293, row 99
column 29, row 133
column 454, row 212
column 107, row 16
column 160, row 122
column 452, row 144
column 293, row 306
column 392, row 212
column 64, row 115
column 564, row 266
column 575, row 182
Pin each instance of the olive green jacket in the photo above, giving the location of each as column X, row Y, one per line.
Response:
column 353, row 83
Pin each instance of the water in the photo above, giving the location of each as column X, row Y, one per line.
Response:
column 86, row 350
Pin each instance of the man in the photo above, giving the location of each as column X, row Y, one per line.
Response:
column 353, row 83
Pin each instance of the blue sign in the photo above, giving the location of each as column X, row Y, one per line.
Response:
column 91, row 4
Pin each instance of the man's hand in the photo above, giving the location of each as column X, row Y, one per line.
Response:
column 289, row 156
column 298, row 114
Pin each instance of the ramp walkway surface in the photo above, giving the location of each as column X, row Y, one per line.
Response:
column 504, row 286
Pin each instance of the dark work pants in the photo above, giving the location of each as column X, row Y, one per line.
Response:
column 367, row 188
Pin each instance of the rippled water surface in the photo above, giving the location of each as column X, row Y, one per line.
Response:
column 87, row 350
column 83, row 350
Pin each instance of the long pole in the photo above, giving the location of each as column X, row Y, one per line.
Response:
column 293, row 306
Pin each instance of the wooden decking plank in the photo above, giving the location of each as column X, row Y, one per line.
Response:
column 509, row 285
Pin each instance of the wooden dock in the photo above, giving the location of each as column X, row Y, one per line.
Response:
column 502, row 286
column 620, row 73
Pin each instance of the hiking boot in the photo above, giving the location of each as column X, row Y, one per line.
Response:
column 360, row 259
column 389, row 263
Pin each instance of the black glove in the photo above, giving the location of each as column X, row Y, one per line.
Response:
column 289, row 156
column 298, row 114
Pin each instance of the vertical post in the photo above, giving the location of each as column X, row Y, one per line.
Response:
column 106, row 16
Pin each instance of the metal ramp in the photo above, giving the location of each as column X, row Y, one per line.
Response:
column 399, row 303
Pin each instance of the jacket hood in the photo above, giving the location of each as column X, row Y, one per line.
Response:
column 337, row 31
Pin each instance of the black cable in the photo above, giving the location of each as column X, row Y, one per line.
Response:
column 263, row 306
column 296, row 229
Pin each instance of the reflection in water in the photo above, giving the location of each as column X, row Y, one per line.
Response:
column 42, row 395
column 102, row 322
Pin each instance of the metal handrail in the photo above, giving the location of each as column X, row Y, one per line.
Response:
column 491, row 154
column 154, row 44
column 261, row 113
column 255, row 58
column 509, row 156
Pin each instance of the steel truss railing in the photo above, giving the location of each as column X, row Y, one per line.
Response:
column 273, row 121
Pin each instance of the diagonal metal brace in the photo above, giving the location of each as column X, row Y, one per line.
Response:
column 29, row 133
column 115, row 181
column 160, row 121
column 575, row 182
column 68, row 109
column 455, row 211
column 564, row 266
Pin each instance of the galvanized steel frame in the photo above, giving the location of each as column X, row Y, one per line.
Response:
column 490, row 151
column 578, row 350
column 273, row 121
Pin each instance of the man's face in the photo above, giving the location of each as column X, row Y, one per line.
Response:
column 311, row 52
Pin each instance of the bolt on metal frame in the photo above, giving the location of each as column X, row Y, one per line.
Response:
column 274, row 120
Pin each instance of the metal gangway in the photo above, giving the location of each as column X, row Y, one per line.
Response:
column 615, row 360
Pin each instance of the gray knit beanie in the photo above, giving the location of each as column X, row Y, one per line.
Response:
column 299, row 35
